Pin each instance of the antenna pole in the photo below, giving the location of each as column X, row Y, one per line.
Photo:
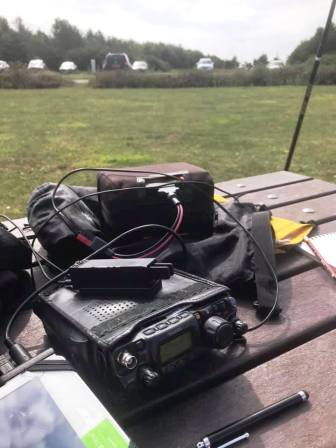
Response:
column 310, row 86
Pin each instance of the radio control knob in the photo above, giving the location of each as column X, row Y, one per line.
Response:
column 240, row 326
column 218, row 331
column 149, row 377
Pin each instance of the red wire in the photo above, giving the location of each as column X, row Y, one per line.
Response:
column 170, row 237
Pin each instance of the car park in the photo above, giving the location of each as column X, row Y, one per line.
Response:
column 205, row 64
column 140, row 66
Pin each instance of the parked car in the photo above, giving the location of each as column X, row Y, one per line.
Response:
column 140, row 66
column 3, row 65
column 67, row 67
column 205, row 64
column 36, row 64
column 275, row 63
column 115, row 61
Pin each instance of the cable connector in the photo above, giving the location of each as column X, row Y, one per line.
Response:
column 19, row 354
column 170, row 192
column 93, row 242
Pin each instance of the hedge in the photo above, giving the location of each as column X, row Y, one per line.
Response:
column 21, row 78
column 259, row 76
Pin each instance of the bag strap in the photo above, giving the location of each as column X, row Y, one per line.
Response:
column 262, row 232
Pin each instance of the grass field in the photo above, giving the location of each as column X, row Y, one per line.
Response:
column 233, row 132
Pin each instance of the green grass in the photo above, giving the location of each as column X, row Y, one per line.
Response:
column 233, row 132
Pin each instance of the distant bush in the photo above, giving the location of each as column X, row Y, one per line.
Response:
column 258, row 76
column 327, row 75
column 193, row 78
column 19, row 77
column 120, row 79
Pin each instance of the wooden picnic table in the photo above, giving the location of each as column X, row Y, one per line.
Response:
column 286, row 355
column 279, row 359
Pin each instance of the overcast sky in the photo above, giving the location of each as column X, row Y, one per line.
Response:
column 242, row 28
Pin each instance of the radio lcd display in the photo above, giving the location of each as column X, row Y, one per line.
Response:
column 175, row 347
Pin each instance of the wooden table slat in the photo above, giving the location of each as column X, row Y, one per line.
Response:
column 323, row 210
column 290, row 194
column 262, row 182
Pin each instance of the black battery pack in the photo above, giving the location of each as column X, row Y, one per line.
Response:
column 122, row 210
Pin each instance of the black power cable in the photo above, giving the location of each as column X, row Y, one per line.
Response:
column 160, row 245
column 143, row 252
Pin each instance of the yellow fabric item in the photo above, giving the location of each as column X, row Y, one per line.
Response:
column 220, row 199
column 289, row 232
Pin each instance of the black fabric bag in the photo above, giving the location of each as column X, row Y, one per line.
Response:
column 58, row 236
column 228, row 256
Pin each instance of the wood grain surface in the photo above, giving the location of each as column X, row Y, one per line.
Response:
column 296, row 193
column 261, row 182
column 322, row 209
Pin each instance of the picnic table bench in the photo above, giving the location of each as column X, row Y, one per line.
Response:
column 291, row 353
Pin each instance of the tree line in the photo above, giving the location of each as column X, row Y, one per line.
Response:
column 66, row 42
column 307, row 48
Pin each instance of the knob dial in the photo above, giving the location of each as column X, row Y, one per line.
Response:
column 148, row 376
column 218, row 331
